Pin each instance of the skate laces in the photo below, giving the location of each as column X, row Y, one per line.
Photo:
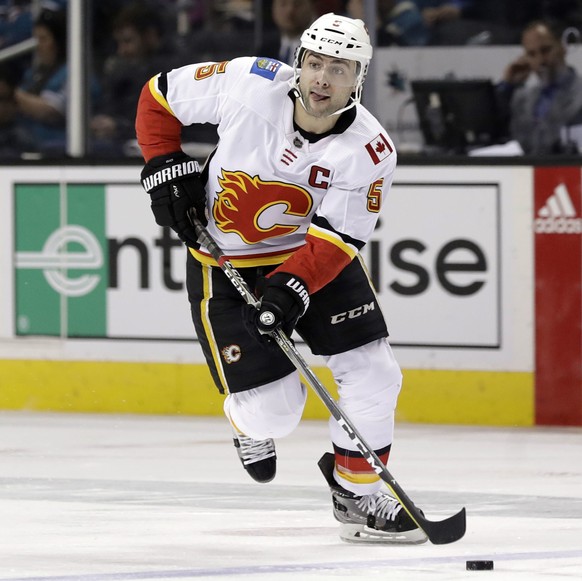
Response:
column 252, row 451
column 379, row 504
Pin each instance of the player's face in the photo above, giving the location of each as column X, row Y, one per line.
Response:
column 326, row 83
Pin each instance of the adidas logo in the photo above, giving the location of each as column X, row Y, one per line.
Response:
column 558, row 215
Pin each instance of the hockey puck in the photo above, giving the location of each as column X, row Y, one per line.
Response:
column 479, row 565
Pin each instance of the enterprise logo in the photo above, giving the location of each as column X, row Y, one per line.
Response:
column 54, row 259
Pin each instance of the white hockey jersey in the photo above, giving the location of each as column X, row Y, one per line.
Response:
column 270, row 191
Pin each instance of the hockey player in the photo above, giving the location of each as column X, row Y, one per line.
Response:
column 291, row 194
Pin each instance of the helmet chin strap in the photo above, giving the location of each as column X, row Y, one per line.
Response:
column 351, row 103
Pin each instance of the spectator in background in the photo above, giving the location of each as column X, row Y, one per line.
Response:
column 504, row 21
column 41, row 97
column 540, row 93
column 435, row 11
column 291, row 18
column 141, row 52
column 13, row 140
column 16, row 27
column 16, row 18
column 226, row 34
column 446, row 21
column 15, row 22
column 399, row 22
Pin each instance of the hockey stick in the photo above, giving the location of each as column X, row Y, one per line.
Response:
column 439, row 532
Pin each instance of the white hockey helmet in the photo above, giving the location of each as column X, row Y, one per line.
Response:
column 341, row 37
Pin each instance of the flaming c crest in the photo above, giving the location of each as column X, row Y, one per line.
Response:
column 244, row 200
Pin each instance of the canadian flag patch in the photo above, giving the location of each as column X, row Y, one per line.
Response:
column 379, row 148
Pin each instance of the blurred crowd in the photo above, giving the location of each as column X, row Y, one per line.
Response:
column 133, row 40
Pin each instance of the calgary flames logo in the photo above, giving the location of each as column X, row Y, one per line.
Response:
column 252, row 207
column 231, row 353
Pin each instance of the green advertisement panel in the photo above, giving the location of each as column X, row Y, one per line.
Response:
column 61, row 260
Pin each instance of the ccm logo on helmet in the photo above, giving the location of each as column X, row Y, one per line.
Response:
column 330, row 40
column 353, row 314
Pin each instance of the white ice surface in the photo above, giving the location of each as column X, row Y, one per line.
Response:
column 108, row 498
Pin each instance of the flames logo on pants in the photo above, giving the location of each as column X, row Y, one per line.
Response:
column 246, row 205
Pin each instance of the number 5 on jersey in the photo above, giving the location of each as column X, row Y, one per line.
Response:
column 375, row 196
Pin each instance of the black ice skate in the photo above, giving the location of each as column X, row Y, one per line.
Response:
column 373, row 518
column 257, row 456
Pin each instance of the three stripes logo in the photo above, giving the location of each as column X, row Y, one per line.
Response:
column 558, row 215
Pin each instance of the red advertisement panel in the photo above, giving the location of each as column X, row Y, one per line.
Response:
column 558, row 295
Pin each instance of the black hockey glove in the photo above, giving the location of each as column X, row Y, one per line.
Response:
column 284, row 298
column 174, row 185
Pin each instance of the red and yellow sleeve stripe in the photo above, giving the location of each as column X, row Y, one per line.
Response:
column 157, row 129
column 321, row 259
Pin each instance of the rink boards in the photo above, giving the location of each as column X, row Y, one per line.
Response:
column 477, row 269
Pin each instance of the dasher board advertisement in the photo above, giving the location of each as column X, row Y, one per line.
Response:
column 89, row 261
column 451, row 258
column 439, row 272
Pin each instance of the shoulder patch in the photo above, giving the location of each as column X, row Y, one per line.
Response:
column 379, row 148
column 265, row 67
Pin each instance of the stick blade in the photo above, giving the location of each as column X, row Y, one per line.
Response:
column 445, row 531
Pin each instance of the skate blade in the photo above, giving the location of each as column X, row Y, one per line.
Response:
column 361, row 534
